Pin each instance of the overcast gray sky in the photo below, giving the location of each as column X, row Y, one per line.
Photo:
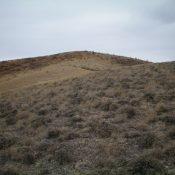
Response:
column 142, row 29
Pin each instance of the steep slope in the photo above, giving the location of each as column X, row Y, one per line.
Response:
column 119, row 120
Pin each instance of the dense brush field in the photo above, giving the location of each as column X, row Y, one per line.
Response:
column 111, row 122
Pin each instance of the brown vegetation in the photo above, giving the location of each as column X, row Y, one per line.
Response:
column 109, row 122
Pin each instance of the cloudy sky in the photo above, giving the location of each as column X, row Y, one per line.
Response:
column 141, row 29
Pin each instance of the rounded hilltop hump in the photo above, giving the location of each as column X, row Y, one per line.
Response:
column 13, row 66
column 17, row 74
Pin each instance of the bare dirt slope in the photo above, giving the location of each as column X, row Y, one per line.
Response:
column 109, row 117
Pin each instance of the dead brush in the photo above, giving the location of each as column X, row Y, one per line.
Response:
column 101, row 129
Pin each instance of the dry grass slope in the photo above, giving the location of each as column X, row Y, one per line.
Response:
column 18, row 74
column 14, row 66
column 108, row 122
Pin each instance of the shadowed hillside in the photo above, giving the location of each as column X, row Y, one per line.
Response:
column 111, row 116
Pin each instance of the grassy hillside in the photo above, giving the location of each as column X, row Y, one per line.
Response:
column 13, row 66
column 22, row 73
column 117, row 119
